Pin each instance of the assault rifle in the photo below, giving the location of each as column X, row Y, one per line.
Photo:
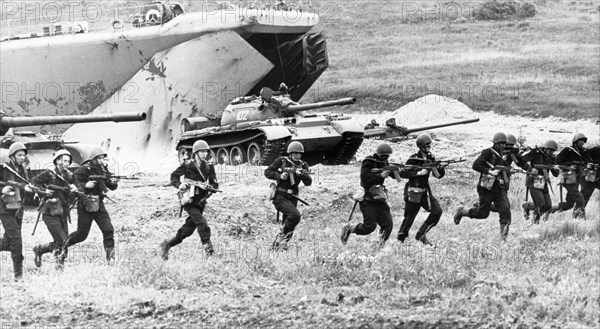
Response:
column 66, row 190
column 396, row 168
column 510, row 170
column 587, row 165
column 292, row 171
column 22, row 186
column 202, row 185
column 111, row 176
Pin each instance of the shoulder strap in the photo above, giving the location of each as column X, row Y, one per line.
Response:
column 200, row 171
column 574, row 150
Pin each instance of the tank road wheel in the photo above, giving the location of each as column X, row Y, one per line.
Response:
column 222, row 156
column 255, row 154
column 236, row 156
column 183, row 154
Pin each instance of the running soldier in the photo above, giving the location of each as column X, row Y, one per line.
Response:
column 491, row 187
column 541, row 162
column 572, row 176
column 11, row 206
column 93, row 179
column 592, row 179
column 199, row 182
column 55, row 207
column 288, row 172
column 417, row 192
column 374, row 207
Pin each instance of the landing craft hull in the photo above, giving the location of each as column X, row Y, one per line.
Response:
column 191, row 65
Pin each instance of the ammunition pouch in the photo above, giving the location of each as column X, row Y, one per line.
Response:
column 539, row 182
column 590, row 175
column 12, row 200
column 92, row 203
column 272, row 191
column 378, row 192
column 414, row 194
column 487, row 181
column 186, row 196
column 53, row 206
column 569, row 177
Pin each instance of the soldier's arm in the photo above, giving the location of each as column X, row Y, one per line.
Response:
column 212, row 177
column 271, row 171
column 562, row 157
column 81, row 178
column 481, row 163
column 410, row 173
column 176, row 175
column 42, row 179
column 306, row 179
column 369, row 177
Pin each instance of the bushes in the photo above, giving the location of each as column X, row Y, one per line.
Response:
column 497, row 10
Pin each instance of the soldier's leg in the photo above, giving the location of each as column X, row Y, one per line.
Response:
column 435, row 213
column 184, row 231
column 410, row 213
column 291, row 214
column 587, row 189
column 84, row 223
column 569, row 200
column 485, row 202
column 385, row 221
column 106, row 227
column 539, row 203
column 200, row 222
column 54, row 227
column 501, row 201
column 370, row 211
column 12, row 228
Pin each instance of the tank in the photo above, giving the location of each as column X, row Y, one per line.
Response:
column 40, row 148
column 393, row 132
column 156, row 57
column 257, row 129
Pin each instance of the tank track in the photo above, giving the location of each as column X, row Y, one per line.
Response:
column 273, row 149
column 348, row 148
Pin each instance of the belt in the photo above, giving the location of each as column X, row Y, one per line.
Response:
column 289, row 191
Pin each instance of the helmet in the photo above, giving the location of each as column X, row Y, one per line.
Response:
column 579, row 136
column 511, row 139
column 17, row 146
column 422, row 140
column 383, row 149
column 551, row 144
column 295, row 147
column 96, row 151
column 499, row 138
column 60, row 153
column 200, row 145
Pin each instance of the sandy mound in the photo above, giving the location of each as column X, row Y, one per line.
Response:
column 431, row 109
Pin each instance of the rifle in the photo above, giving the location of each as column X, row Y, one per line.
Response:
column 111, row 176
column 22, row 186
column 291, row 171
column 201, row 185
column 66, row 190
column 587, row 165
column 395, row 169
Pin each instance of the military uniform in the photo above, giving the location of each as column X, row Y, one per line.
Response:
column 203, row 172
column 85, row 217
column 574, row 199
column 587, row 187
column 12, row 219
column 427, row 200
column 542, row 202
column 285, row 200
column 55, row 212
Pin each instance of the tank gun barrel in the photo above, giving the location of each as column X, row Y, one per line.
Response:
column 293, row 108
column 412, row 130
column 10, row 122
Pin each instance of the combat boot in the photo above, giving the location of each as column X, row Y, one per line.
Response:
column 208, row 248
column 164, row 246
column 527, row 207
column 460, row 212
column 346, row 231
column 110, row 254
column 39, row 250
column 18, row 270
column 546, row 215
column 279, row 239
column 402, row 236
column 579, row 213
column 504, row 231
column 423, row 239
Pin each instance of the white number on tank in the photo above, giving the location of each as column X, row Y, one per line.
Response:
column 242, row 115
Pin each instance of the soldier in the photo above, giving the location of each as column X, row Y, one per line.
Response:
column 572, row 177
column 538, row 180
column 55, row 207
column 374, row 207
column 591, row 183
column 11, row 207
column 491, row 187
column 288, row 172
column 92, row 208
column 197, row 170
column 417, row 192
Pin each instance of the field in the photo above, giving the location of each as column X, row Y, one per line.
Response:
column 545, row 276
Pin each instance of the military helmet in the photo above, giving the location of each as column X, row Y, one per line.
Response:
column 499, row 137
column 17, row 146
column 423, row 139
column 511, row 139
column 200, row 145
column 551, row 144
column 579, row 136
column 95, row 152
column 295, row 147
column 383, row 149
column 60, row 153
